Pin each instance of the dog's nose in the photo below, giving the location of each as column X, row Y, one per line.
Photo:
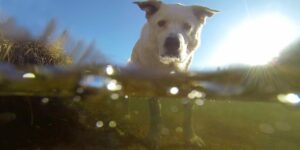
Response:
column 172, row 45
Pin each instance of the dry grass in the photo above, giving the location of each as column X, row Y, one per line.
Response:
column 18, row 46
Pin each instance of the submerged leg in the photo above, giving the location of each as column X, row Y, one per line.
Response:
column 155, row 123
column 190, row 136
column 126, row 107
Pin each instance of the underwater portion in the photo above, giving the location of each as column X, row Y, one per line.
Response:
column 85, row 108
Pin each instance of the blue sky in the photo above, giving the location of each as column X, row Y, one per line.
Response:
column 115, row 24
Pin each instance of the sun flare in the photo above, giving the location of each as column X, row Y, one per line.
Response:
column 256, row 41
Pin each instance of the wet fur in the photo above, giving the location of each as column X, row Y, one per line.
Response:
column 147, row 54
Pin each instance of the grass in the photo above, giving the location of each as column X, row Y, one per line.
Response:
column 241, row 125
column 18, row 46
column 223, row 125
column 228, row 125
column 68, row 121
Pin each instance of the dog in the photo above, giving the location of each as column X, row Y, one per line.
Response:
column 168, row 42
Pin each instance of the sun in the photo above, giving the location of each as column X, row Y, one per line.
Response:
column 256, row 41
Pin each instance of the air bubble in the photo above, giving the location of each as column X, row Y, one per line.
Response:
column 172, row 72
column 174, row 90
column 195, row 94
column 174, row 109
column 113, row 85
column 92, row 81
column 114, row 96
column 199, row 102
column 179, row 130
column 185, row 101
column 112, row 124
column 136, row 112
column 165, row 131
column 99, row 124
column 77, row 99
column 80, row 90
column 29, row 75
column 109, row 70
column 45, row 100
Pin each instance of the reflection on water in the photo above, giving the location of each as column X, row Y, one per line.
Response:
column 85, row 108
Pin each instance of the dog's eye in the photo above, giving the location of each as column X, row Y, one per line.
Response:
column 162, row 23
column 187, row 26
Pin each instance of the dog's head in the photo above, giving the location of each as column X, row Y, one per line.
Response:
column 174, row 28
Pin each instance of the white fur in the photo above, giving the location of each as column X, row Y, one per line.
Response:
column 149, row 49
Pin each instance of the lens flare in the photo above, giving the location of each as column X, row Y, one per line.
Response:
column 290, row 98
column 256, row 41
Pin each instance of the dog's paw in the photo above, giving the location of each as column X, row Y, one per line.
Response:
column 195, row 141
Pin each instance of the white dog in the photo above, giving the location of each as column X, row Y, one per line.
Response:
column 168, row 41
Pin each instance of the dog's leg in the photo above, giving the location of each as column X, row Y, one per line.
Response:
column 127, row 109
column 190, row 136
column 155, row 124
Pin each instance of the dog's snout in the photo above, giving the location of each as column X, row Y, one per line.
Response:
column 172, row 45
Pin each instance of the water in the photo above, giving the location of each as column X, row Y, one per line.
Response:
column 85, row 107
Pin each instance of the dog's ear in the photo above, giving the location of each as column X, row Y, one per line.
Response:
column 203, row 12
column 150, row 7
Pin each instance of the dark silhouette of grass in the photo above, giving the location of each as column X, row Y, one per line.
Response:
column 18, row 46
